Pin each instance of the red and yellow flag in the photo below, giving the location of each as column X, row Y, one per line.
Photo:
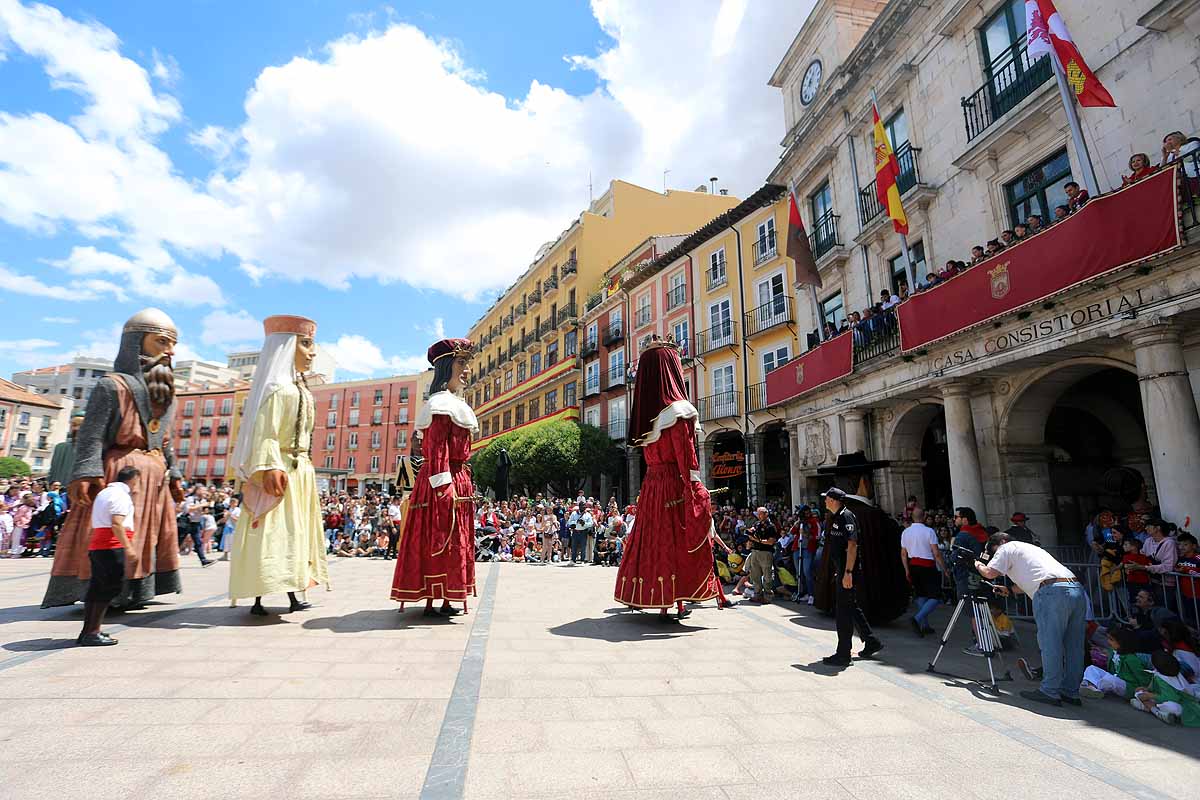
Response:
column 887, row 172
column 1048, row 36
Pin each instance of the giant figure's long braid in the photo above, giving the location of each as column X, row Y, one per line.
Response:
column 302, row 387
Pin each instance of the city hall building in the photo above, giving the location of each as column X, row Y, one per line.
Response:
column 1054, row 378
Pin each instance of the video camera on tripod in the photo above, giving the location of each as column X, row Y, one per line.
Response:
column 975, row 602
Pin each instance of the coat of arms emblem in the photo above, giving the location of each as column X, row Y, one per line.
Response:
column 1000, row 282
column 799, row 374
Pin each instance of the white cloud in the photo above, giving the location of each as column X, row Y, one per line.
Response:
column 358, row 355
column 384, row 155
column 435, row 329
column 74, row 291
column 61, row 320
column 224, row 328
column 166, row 69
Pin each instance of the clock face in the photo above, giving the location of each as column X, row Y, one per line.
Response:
column 812, row 80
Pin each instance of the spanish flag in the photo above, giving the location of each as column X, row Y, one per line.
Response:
column 887, row 171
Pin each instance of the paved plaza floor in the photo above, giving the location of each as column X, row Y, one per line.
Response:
column 545, row 690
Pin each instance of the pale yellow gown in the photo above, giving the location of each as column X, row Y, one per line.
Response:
column 282, row 550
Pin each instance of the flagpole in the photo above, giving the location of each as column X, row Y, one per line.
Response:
column 908, row 270
column 1081, row 150
column 812, row 290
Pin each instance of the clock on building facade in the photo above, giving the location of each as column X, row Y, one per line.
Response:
column 812, row 81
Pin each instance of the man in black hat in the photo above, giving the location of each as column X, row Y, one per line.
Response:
column 841, row 548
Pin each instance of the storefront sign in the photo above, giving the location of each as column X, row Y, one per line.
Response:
column 728, row 465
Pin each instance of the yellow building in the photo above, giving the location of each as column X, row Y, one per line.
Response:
column 744, row 307
column 526, row 371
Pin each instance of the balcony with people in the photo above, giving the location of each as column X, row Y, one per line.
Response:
column 615, row 332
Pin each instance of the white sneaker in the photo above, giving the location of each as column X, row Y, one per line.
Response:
column 810, row 599
column 1089, row 691
column 1133, row 701
column 1165, row 716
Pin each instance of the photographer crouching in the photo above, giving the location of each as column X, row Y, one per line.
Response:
column 1059, row 610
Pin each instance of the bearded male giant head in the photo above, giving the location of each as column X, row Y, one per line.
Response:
column 147, row 347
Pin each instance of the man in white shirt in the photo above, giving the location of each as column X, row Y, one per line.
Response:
column 1059, row 609
column 923, row 565
column 111, row 545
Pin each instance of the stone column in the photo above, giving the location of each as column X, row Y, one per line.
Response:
column 856, row 430
column 1172, row 423
column 755, row 478
column 634, row 464
column 795, row 478
column 966, row 479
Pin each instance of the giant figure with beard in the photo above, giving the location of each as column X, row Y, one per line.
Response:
column 127, row 423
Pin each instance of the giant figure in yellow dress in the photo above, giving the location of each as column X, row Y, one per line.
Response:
column 279, row 544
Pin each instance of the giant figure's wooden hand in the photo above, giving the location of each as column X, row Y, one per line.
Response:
column 274, row 482
column 85, row 490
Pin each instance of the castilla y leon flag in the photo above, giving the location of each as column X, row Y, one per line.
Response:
column 1048, row 35
column 887, row 172
column 797, row 248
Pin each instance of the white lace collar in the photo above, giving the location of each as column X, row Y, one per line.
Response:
column 680, row 409
column 450, row 404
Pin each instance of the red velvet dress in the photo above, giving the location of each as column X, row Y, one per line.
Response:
column 435, row 558
column 668, row 556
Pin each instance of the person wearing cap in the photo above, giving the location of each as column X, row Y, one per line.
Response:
column 841, row 548
column 279, row 542
column 1020, row 532
column 436, row 555
column 763, row 537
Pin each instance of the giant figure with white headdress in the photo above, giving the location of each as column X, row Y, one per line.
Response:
column 127, row 423
column 279, row 543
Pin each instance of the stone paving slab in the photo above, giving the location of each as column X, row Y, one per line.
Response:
column 576, row 699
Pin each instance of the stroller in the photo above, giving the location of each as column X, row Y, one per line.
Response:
column 487, row 544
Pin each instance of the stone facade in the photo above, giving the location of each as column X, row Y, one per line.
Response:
column 1047, row 411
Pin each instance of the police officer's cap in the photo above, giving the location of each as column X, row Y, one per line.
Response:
column 835, row 493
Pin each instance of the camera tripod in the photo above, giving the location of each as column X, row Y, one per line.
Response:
column 988, row 636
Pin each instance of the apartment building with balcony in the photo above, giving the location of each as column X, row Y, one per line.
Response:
column 206, row 420
column 1052, row 406
column 527, row 367
column 32, row 424
column 75, row 380
column 362, row 429
column 611, row 343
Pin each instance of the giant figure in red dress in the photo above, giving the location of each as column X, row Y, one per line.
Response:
column 435, row 559
column 668, row 554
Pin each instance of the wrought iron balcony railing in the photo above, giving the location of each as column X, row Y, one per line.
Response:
column 723, row 334
column 719, row 406
column 614, row 333
column 869, row 206
column 776, row 311
column 1011, row 77
column 825, row 234
column 764, row 248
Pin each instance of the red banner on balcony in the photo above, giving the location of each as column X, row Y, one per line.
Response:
column 1110, row 232
column 832, row 360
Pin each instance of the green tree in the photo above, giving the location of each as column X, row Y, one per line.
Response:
column 12, row 467
column 560, row 455
column 483, row 463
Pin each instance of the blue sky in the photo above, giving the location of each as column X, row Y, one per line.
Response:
column 385, row 169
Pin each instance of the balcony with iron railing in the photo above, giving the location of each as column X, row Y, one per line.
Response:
column 824, row 237
column 591, row 384
column 534, row 298
column 520, row 310
column 764, row 248
column 589, row 348
column 876, row 337
column 512, row 351
column 676, row 296
column 594, row 299
column 1011, row 77
column 549, row 286
column 723, row 334
column 722, row 405
column 567, row 315
column 614, row 333
column 643, row 317
column 615, row 378
column 570, row 269
column 756, row 397
column 222, row 430
column 717, row 275
column 527, row 339
column 617, row 428
column 869, row 206
column 773, row 313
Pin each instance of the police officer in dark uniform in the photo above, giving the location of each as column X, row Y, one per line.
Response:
column 841, row 548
